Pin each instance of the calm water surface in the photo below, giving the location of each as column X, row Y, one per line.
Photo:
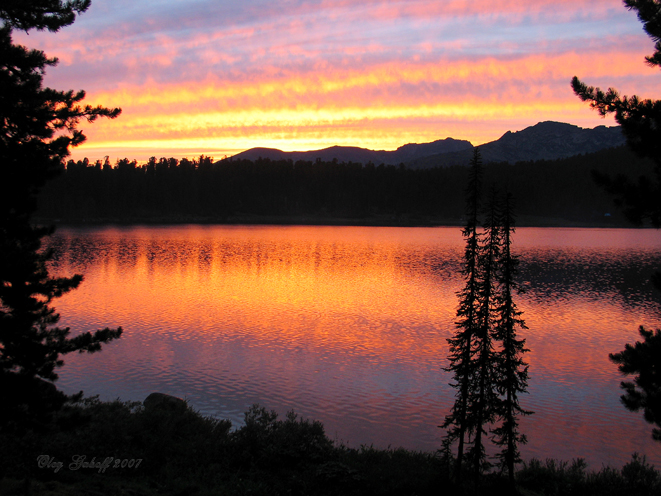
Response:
column 348, row 325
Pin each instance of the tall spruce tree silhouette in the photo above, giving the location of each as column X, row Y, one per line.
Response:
column 512, row 370
column 37, row 127
column 460, row 345
column 485, row 354
column 641, row 123
column 483, row 398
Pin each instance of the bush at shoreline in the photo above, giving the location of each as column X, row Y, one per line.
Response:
column 93, row 447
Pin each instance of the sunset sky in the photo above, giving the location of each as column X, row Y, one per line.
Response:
column 218, row 77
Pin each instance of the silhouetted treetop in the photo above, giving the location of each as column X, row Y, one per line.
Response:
column 41, row 14
column 649, row 13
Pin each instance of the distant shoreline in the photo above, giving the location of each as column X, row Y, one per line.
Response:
column 320, row 220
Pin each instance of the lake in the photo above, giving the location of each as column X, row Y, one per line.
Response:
column 349, row 325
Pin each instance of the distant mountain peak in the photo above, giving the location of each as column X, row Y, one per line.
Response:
column 548, row 128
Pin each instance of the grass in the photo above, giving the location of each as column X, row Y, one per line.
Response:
column 184, row 453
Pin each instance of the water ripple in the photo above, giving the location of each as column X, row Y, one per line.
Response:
column 349, row 326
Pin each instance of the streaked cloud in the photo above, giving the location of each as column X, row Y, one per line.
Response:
column 217, row 77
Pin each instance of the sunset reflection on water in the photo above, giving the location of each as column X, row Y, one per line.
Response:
column 348, row 325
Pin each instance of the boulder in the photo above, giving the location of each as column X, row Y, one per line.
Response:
column 165, row 402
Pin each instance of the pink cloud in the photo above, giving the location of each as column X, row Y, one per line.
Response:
column 253, row 71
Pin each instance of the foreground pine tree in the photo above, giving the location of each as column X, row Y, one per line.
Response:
column 37, row 127
column 640, row 119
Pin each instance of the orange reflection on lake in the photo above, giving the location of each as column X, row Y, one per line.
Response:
column 349, row 325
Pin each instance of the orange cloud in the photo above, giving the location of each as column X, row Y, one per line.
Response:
column 383, row 106
column 217, row 77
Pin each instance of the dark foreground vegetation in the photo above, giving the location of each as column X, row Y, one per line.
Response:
column 184, row 453
column 560, row 192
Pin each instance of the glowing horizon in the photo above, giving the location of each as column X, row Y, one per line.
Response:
column 216, row 78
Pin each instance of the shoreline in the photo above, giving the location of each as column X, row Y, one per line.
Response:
column 321, row 220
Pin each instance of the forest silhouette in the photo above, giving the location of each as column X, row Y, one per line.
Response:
column 560, row 192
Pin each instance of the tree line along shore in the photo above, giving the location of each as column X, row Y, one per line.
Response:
column 547, row 193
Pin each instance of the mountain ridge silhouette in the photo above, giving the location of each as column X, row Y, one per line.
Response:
column 547, row 140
